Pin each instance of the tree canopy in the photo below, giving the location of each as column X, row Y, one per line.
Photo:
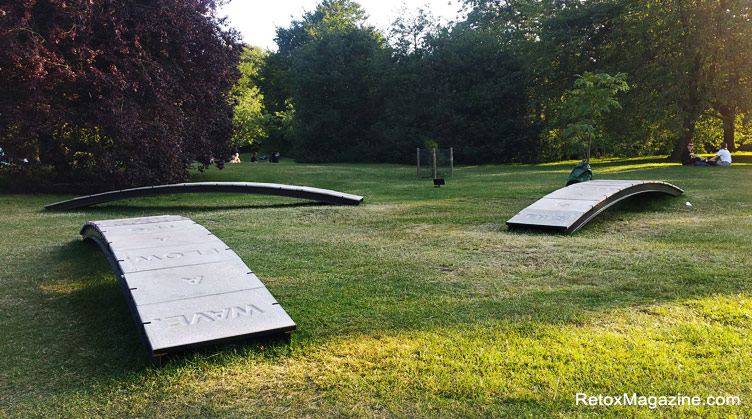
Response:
column 250, row 117
column 115, row 93
column 123, row 93
column 491, row 86
column 591, row 99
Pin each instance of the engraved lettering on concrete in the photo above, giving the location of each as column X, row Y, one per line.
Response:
column 151, row 228
column 211, row 316
column 139, row 259
column 220, row 315
column 207, row 252
column 539, row 216
column 194, row 281
column 197, row 317
column 175, row 321
column 175, row 255
column 140, row 221
column 237, row 311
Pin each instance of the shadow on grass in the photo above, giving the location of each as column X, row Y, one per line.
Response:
column 76, row 337
column 82, row 329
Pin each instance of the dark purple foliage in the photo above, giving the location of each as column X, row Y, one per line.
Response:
column 115, row 93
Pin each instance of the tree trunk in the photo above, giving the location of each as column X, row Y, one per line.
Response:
column 589, row 143
column 728, row 116
column 52, row 152
column 693, row 110
column 688, row 130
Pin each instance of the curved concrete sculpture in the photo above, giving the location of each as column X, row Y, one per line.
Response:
column 184, row 286
column 303, row 192
column 570, row 208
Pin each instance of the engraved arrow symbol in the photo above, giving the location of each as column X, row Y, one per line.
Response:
column 194, row 281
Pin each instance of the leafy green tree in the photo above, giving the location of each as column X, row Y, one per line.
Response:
column 250, row 118
column 329, row 68
column 277, row 102
column 661, row 43
column 593, row 96
column 408, row 92
column 727, row 48
column 335, row 82
column 551, row 40
column 477, row 97
column 686, row 58
column 492, row 86
column 409, row 32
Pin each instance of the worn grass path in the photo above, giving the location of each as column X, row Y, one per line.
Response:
column 418, row 303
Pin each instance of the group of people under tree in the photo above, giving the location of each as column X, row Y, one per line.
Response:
column 721, row 158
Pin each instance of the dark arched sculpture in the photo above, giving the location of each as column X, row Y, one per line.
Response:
column 569, row 209
column 302, row 192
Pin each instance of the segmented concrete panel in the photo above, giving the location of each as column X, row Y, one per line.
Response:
column 141, row 221
column 185, row 287
column 569, row 208
column 137, row 260
column 161, row 285
column 212, row 318
column 168, row 226
column 161, row 239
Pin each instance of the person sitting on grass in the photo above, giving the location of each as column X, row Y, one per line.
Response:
column 722, row 157
column 235, row 158
column 689, row 158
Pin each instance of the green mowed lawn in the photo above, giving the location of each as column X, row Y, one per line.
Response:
column 417, row 303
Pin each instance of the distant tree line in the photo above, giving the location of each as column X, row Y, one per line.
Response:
column 117, row 93
column 493, row 86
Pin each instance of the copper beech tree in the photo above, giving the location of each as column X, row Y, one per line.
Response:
column 115, row 93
